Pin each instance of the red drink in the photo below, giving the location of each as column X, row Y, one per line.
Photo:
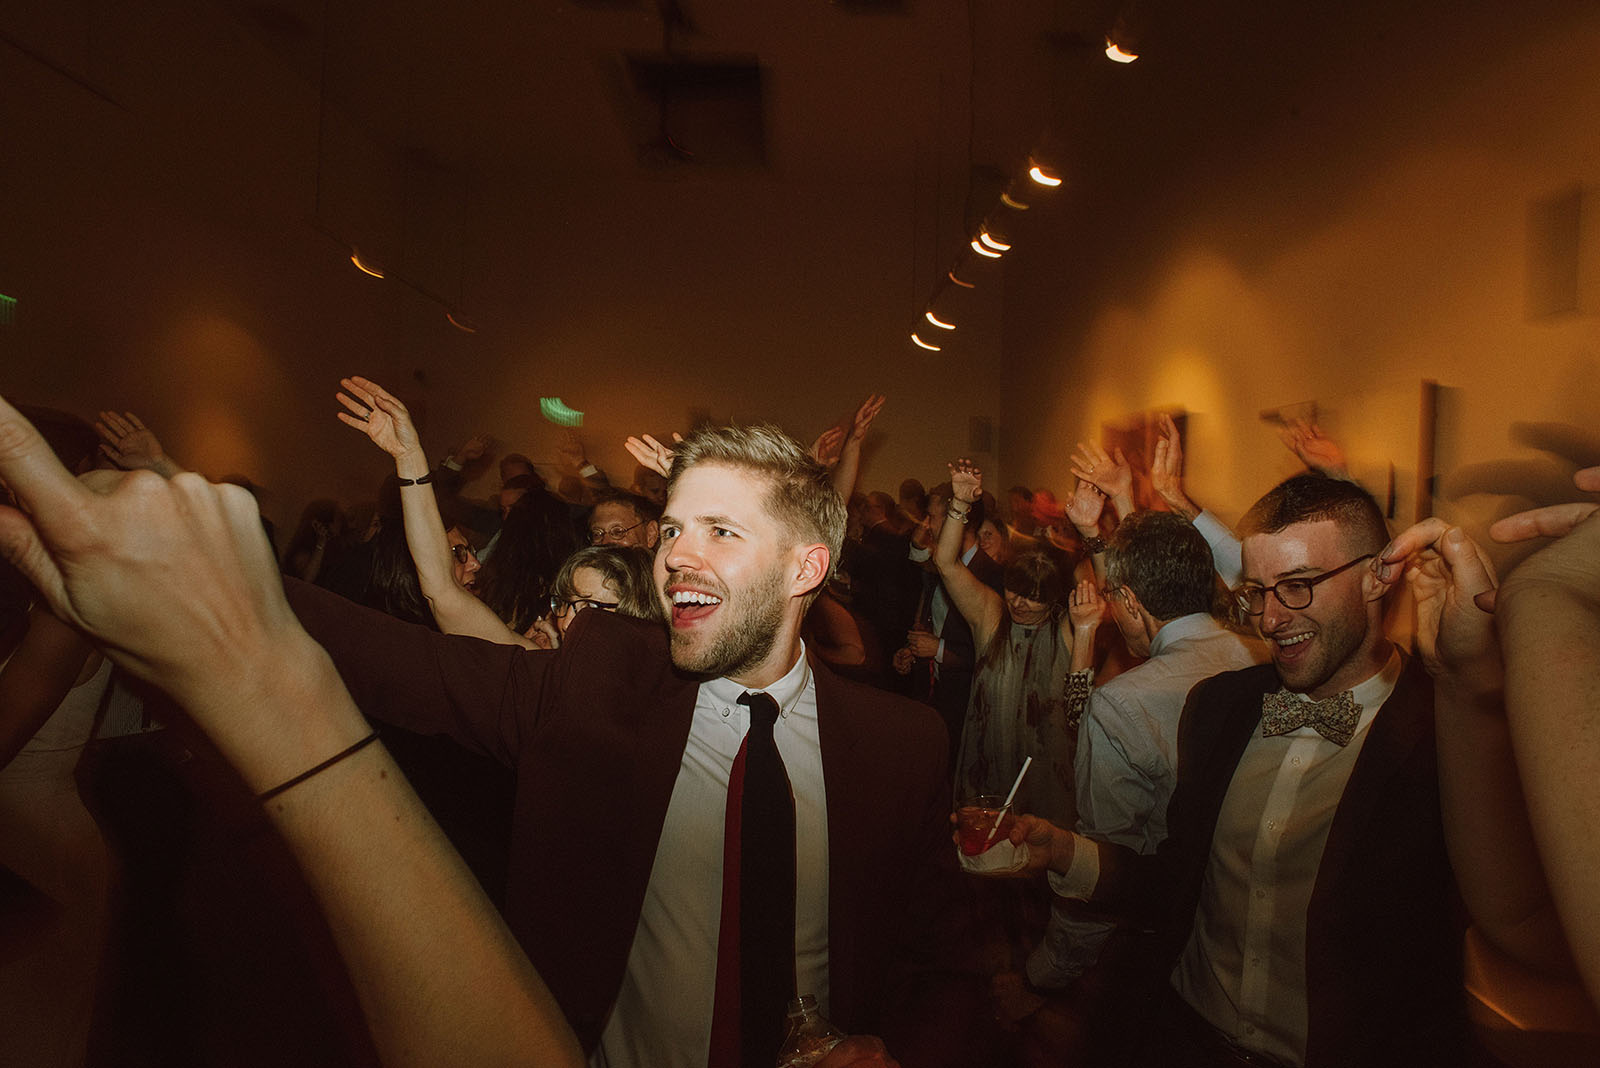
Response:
column 974, row 819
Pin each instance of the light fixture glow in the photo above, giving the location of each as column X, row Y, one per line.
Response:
column 928, row 315
column 1006, row 199
column 980, row 250
column 1117, row 55
column 924, row 344
column 355, row 258
column 992, row 242
column 460, row 323
column 951, row 274
column 558, row 413
column 1039, row 175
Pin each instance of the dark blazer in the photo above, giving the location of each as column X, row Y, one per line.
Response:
column 1384, row 927
column 954, row 686
column 602, row 723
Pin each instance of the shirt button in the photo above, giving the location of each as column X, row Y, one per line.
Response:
column 1272, row 825
column 1295, row 762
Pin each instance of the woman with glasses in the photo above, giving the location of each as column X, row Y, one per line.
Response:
column 610, row 578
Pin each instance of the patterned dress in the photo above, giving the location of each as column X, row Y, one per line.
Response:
column 1019, row 708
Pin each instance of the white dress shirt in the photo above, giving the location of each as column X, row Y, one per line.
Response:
column 1244, row 969
column 662, row 1016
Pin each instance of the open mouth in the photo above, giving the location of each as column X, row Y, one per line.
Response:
column 1291, row 647
column 691, row 606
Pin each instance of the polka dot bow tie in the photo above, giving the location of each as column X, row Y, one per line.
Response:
column 1334, row 718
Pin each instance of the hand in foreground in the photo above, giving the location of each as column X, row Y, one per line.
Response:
column 379, row 415
column 173, row 577
column 1112, row 473
column 1553, row 521
column 473, row 449
column 966, row 480
column 859, row 1051
column 1453, row 585
column 1085, row 607
column 862, row 421
column 129, row 444
column 904, row 660
column 1166, row 469
column 1317, row 451
column 1084, row 507
column 652, row 454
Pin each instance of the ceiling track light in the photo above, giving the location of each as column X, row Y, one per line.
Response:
column 924, row 344
column 936, row 321
column 951, row 274
column 461, row 323
column 993, row 242
column 355, row 258
column 1116, row 54
column 1042, row 176
column 1010, row 202
column 983, row 251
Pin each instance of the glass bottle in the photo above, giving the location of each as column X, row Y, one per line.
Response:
column 810, row 1036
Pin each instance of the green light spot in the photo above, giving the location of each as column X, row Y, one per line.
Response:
column 558, row 413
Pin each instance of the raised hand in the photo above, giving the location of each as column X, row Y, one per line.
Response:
column 828, row 446
column 474, row 448
column 569, row 451
column 378, row 414
column 1166, row 469
column 1084, row 508
column 650, row 452
column 1112, row 473
column 966, row 480
column 174, row 578
column 1316, row 450
column 1085, row 606
column 129, row 444
column 865, row 415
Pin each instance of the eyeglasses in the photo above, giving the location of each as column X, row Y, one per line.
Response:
column 1293, row 593
column 615, row 533
column 462, row 553
column 577, row 604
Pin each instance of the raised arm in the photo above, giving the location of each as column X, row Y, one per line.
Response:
column 849, row 466
column 1480, row 793
column 1083, row 510
column 176, row 581
column 1548, row 614
column 980, row 606
column 382, row 416
column 1166, row 477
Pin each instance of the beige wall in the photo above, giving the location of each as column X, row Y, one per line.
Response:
column 1379, row 239
column 168, row 258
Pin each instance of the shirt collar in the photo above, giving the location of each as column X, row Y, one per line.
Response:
column 786, row 691
column 1178, row 629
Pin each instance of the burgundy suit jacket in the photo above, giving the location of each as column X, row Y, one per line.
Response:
column 596, row 731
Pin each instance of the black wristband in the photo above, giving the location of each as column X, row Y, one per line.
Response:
column 423, row 481
column 324, row 766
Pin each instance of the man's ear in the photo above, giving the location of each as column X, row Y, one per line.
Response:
column 652, row 533
column 811, row 569
column 1373, row 587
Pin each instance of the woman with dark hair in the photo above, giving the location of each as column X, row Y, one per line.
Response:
column 1027, row 651
column 534, row 541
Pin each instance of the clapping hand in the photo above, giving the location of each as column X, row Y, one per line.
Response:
column 378, row 414
column 1084, row 508
column 828, row 446
column 865, row 415
column 1085, row 606
column 1112, row 473
column 1166, row 469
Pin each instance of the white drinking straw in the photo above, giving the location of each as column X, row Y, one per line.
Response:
column 1001, row 815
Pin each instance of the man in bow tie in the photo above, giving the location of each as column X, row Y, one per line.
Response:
column 1303, row 898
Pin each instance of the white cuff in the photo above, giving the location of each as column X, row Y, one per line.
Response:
column 451, row 463
column 1083, row 874
column 920, row 555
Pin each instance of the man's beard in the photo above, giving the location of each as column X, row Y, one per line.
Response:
column 744, row 636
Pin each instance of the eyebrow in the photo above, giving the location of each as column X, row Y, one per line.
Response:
column 709, row 520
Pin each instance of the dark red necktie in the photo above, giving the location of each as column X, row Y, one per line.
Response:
column 755, row 954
